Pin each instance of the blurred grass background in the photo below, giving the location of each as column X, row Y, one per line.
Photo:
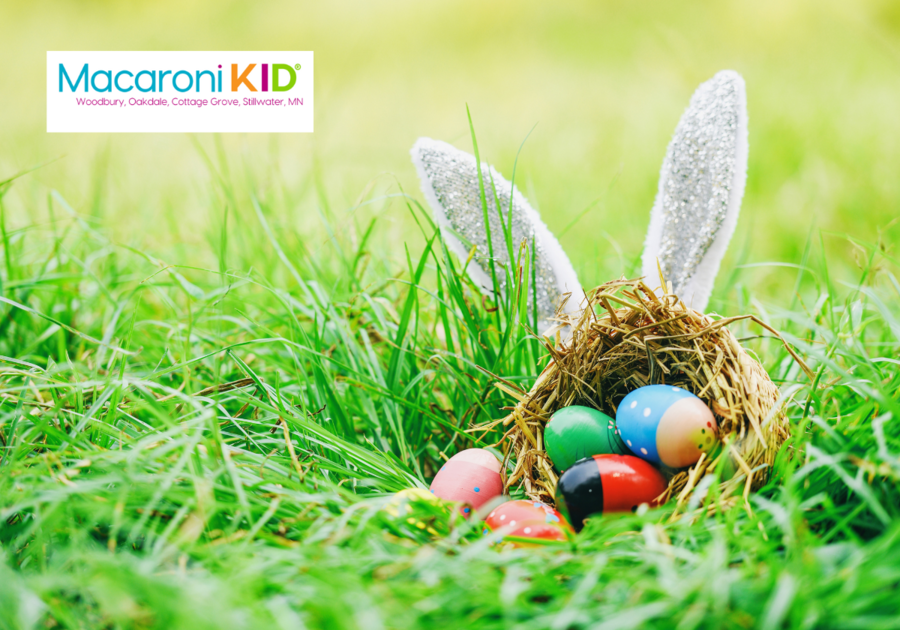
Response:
column 605, row 83
column 121, row 508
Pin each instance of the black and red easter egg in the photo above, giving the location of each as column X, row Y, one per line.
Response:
column 471, row 477
column 607, row 483
column 527, row 519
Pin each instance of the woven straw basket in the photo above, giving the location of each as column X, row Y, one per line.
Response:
column 633, row 337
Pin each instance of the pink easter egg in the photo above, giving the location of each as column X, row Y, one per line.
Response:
column 687, row 429
column 471, row 477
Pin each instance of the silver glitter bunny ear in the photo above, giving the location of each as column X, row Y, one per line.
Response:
column 701, row 184
column 450, row 182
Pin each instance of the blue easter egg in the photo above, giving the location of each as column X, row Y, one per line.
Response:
column 666, row 425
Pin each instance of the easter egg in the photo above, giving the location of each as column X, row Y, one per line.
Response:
column 577, row 432
column 471, row 476
column 666, row 425
column 409, row 495
column 607, row 483
column 527, row 519
column 401, row 508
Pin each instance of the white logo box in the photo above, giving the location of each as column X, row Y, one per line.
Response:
column 188, row 91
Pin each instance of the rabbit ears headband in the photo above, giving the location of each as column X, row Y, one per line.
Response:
column 701, row 184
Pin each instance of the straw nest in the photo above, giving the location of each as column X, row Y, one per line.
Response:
column 633, row 337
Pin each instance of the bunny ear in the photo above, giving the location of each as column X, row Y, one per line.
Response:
column 450, row 183
column 701, row 184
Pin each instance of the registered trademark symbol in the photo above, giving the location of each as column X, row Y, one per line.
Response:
column 297, row 67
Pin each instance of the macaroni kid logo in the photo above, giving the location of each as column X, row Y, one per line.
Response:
column 179, row 91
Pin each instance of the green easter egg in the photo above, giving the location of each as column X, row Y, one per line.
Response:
column 576, row 432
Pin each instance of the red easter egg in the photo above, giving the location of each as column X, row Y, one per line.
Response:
column 527, row 519
column 628, row 481
column 471, row 476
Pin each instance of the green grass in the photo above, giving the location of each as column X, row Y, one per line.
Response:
column 187, row 447
column 219, row 357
